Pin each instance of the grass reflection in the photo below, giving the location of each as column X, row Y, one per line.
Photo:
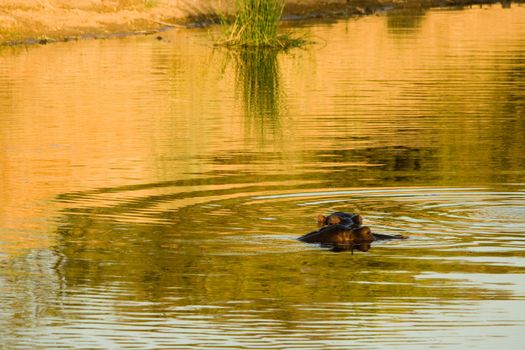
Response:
column 258, row 82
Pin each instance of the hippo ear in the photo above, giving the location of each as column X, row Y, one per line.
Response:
column 357, row 219
column 321, row 220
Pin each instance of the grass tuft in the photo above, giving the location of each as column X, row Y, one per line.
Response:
column 256, row 24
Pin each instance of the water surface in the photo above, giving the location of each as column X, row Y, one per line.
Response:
column 152, row 190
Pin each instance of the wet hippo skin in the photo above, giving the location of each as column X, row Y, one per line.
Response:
column 339, row 234
column 344, row 231
column 339, row 217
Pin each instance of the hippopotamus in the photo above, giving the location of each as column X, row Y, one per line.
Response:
column 343, row 231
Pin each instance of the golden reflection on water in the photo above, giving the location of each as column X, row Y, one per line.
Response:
column 163, row 183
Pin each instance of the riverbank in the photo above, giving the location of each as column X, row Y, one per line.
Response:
column 44, row 21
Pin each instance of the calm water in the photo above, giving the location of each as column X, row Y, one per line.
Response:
column 151, row 191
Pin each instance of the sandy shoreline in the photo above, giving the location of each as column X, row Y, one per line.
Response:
column 44, row 21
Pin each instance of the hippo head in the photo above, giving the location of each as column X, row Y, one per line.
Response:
column 340, row 218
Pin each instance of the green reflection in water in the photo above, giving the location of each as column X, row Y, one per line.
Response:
column 258, row 82
column 199, row 260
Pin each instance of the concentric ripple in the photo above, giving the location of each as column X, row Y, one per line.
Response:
column 159, row 266
column 270, row 213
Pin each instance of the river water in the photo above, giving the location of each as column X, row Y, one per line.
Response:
column 152, row 190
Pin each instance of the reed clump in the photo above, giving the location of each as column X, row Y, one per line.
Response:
column 256, row 24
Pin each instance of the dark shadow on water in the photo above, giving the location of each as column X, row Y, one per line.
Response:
column 403, row 20
column 507, row 152
column 506, row 4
